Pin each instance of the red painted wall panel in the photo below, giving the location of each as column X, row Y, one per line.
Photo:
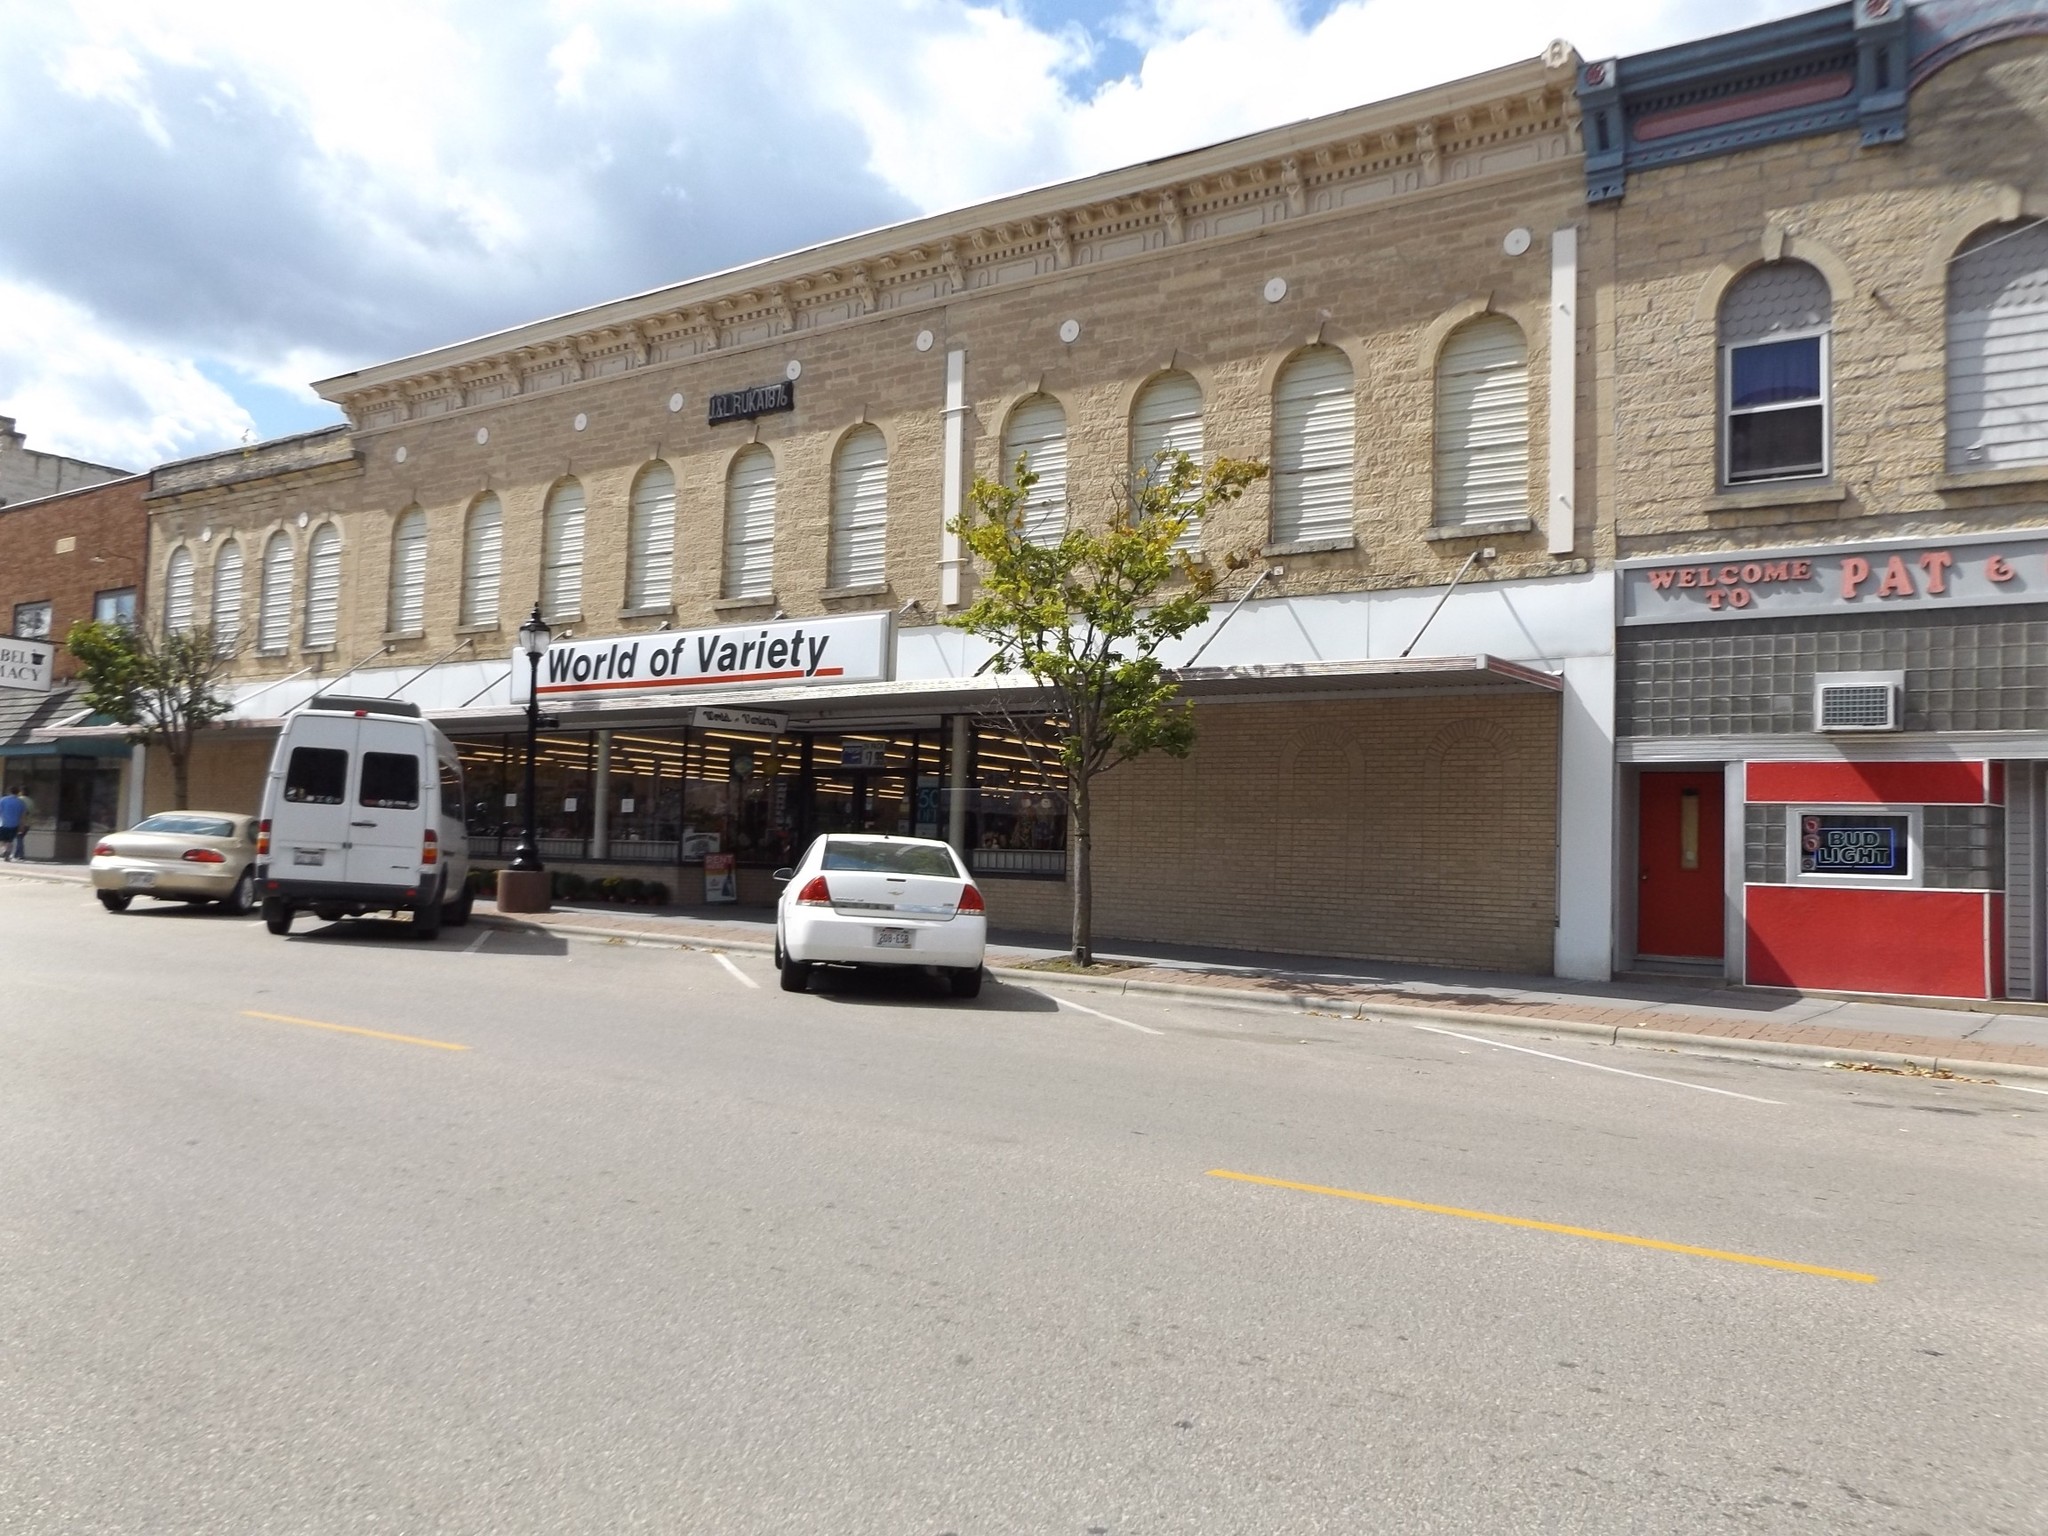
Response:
column 1927, row 943
column 1867, row 783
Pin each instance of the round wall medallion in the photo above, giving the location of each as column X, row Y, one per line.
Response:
column 1517, row 241
column 483, row 435
column 1276, row 289
column 675, row 402
column 399, row 456
column 924, row 341
column 303, row 519
column 794, row 371
column 581, row 421
column 1070, row 330
column 206, row 535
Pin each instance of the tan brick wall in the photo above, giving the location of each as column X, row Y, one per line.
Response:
column 1882, row 224
column 226, row 773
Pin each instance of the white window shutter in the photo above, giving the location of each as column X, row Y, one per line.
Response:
column 561, row 571
column 178, row 578
column 1315, row 412
column 482, row 562
column 323, row 587
column 227, row 596
column 1482, row 424
column 1037, row 433
column 1998, row 350
column 750, row 524
column 274, row 620
column 650, row 569
column 858, row 556
column 1167, row 420
column 407, row 613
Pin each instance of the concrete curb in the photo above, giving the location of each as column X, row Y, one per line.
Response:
column 1352, row 1010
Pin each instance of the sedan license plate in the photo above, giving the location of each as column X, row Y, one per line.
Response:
column 139, row 879
column 309, row 855
column 892, row 938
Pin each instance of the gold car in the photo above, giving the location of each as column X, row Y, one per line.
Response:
column 179, row 856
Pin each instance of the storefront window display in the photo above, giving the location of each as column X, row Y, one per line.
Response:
column 1017, row 817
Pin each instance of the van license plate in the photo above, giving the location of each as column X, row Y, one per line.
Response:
column 892, row 938
column 309, row 855
column 140, row 879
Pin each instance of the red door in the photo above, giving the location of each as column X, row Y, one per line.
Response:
column 1678, row 852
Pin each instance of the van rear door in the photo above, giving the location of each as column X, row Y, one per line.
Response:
column 309, row 832
column 387, row 815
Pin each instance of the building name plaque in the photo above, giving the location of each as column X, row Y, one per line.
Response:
column 1955, row 573
column 746, row 404
column 851, row 648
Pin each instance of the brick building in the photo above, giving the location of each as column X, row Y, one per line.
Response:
column 1413, row 700
column 1825, row 365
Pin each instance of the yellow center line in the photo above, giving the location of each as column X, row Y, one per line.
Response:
column 1549, row 1226
column 350, row 1029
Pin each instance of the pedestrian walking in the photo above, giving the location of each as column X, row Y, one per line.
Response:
column 14, row 814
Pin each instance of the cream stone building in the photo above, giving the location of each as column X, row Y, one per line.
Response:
column 1409, row 706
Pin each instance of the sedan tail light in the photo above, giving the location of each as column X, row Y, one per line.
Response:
column 263, row 838
column 104, row 851
column 203, row 856
column 816, row 893
column 970, row 901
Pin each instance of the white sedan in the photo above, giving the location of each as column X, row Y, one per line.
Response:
column 867, row 900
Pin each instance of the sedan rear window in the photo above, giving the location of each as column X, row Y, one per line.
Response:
column 187, row 826
column 892, row 859
column 316, row 776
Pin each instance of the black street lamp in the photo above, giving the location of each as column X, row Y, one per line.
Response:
column 533, row 639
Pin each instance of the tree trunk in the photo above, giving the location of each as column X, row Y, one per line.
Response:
column 181, row 776
column 1082, row 874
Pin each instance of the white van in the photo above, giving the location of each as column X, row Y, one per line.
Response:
column 363, row 812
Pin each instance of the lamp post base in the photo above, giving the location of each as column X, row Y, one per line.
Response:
column 523, row 890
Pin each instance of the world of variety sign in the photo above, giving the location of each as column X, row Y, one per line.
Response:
column 1954, row 573
column 854, row 648
column 25, row 664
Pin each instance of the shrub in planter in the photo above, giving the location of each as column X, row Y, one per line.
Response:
column 608, row 887
column 657, row 894
column 631, row 889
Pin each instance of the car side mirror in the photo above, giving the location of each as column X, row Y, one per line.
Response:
column 783, row 874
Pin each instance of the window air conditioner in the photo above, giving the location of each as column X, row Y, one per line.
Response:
column 1858, row 701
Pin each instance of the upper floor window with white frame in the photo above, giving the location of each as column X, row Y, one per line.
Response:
column 483, row 562
column 227, row 596
column 180, row 577
column 1315, row 447
column 1166, row 421
column 406, row 610
column 1482, row 425
column 1037, row 433
column 274, row 599
column 858, row 555
column 1998, row 348
column 561, row 544
column 323, row 588
column 1775, row 399
column 750, row 524
column 651, row 539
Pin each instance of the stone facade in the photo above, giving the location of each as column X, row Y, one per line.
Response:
column 27, row 475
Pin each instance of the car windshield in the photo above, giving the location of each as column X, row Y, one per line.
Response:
column 187, row 826
column 892, row 858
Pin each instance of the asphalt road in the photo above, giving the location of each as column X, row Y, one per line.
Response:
column 663, row 1249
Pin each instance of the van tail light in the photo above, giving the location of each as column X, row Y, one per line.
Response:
column 104, row 851
column 815, row 894
column 970, row 901
column 203, row 856
column 263, row 838
column 430, row 848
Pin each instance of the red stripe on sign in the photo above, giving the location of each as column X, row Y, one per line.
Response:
column 1866, row 783
column 690, row 682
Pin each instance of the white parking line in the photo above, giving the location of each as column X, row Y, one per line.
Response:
column 477, row 943
column 2016, row 1088
column 1112, row 1018
column 744, row 978
column 1573, row 1061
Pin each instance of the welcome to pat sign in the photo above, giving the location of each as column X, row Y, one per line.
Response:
column 850, row 649
column 1838, row 579
column 25, row 664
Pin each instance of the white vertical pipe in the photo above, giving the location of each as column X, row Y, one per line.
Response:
column 601, row 813
column 953, row 485
column 1564, row 349
column 956, row 789
column 138, row 769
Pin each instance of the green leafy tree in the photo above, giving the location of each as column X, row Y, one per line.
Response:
column 163, row 686
column 1085, row 618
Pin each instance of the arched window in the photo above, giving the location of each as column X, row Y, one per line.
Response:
column 858, row 552
column 1315, row 415
column 482, row 561
column 1774, row 374
column 1998, row 348
column 750, row 524
column 323, row 588
column 227, row 597
column 1166, row 420
column 406, row 613
column 561, row 559
column 651, row 539
column 178, row 582
column 274, row 604
column 1482, row 424
column 1037, row 434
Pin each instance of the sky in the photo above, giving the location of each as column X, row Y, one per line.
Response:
column 207, row 204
